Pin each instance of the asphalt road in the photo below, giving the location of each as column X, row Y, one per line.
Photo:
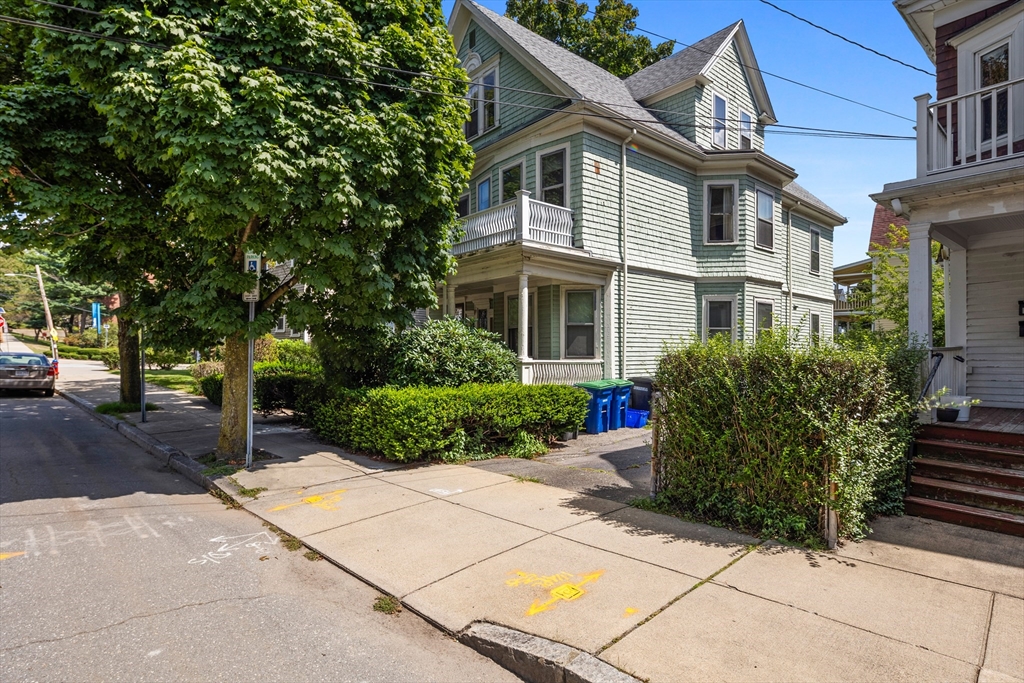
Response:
column 113, row 569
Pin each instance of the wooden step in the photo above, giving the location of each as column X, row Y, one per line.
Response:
column 964, row 515
column 952, row 430
column 997, row 456
column 967, row 473
column 967, row 494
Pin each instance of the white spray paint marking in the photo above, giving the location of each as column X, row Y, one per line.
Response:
column 93, row 533
column 228, row 543
column 445, row 492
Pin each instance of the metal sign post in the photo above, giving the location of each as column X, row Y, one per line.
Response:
column 252, row 265
column 142, row 374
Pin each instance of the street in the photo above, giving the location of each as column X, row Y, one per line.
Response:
column 112, row 568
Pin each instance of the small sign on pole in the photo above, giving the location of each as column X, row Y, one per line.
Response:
column 252, row 265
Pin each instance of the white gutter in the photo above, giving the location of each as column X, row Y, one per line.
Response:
column 625, row 266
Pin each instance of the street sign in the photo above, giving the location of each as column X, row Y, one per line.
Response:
column 252, row 265
column 96, row 316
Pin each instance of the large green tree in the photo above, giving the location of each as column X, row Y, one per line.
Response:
column 890, row 268
column 607, row 39
column 285, row 130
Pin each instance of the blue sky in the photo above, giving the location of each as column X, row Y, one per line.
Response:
column 840, row 172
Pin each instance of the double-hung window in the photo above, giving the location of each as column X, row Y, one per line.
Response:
column 552, row 177
column 483, row 195
column 815, row 251
column 721, row 209
column 719, row 317
column 815, row 328
column 763, row 314
column 994, row 68
column 463, row 206
column 511, row 182
column 765, row 220
column 483, row 104
column 718, row 124
column 746, row 131
column 579, row 324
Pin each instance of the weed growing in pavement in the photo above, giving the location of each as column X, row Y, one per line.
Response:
column 118, row 408
column 226, row 499
column 287, row 540
column 248, row 493
column 522, row 479
column 387, row 605
column 207, row 459
column 312, row 556
column 220, row 470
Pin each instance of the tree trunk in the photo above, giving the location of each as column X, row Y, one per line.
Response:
column 128, row 354
column 233, row 419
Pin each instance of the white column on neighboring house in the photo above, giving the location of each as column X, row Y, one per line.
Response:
column 522, row 215
column 923, row 133
column 956, row 297
column 919, row 300
column 449, row 298
column 524, row 317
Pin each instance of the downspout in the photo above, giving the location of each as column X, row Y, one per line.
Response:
column 625, row 266
column 789, row 266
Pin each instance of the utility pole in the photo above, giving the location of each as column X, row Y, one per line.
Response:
column 49, row 319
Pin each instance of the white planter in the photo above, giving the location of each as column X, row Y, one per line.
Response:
column 961, row 402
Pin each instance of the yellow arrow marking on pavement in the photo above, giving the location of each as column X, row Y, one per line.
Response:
column 566, row 592
column 7, row 556
column 327, row 501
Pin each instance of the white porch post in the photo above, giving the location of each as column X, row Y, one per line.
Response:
column 449, row 300
column 522, row 215
column 920, row 283
column 923, row 132
column 956, row 297
column 526, row 369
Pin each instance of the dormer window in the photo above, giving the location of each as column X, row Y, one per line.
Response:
column 483, row 103
column 746, row 131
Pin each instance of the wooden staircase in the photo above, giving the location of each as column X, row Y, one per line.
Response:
column 969, row 477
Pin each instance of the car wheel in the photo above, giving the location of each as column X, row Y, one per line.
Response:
column 48, row 393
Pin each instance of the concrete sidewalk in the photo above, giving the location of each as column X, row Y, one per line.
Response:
column 659, row 598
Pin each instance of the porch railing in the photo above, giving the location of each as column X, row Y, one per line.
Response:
column 952, row 374
column 968, row 129
column 524, row 219
column 849, row 303
column 561, row 371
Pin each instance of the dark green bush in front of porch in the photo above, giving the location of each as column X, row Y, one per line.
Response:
column 445, row 423
column 752, row 435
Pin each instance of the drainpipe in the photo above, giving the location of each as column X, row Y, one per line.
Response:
column 625, row 266
column 789, row 266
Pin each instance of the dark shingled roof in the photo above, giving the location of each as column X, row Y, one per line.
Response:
column 796, row 190
column 589, row 80
column 679, row 67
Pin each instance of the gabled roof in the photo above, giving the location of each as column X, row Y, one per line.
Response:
column 696, row 61
column 800, row 193
column 578, row 78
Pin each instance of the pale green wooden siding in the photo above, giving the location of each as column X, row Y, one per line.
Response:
column 511, row 74
column 661, row 311
column 762, row 263
column 802, row 317
column 548, row 323
column 805, row 282
column 725, row 260
column 679, row 111
column 754, row 292
column 498, row 314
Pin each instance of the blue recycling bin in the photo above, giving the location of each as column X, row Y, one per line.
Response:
column 599, row 408
column 621, row 389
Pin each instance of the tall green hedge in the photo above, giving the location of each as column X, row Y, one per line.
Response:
column 447, row 423
column 275, row 385
column 752, row 435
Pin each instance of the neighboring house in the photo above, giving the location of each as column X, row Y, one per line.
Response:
column 853, row 280
column 703, row 234
column 969, row 192
column 281, row 329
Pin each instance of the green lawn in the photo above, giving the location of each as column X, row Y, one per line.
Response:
column 172, row 379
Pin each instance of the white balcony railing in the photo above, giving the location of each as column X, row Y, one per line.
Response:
column 859, row 302
column 561, row 371
column 524, row 219
column 963, row 130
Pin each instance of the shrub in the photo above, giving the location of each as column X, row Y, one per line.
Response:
column 87, row 338
column 753, row 434
column 449, row 353
column 296, row 353
column 166, row 359
column 274, row 386
column 212, row 387
column 264, row 349
column 206, row 368
column 111, row 359
column 448, row 423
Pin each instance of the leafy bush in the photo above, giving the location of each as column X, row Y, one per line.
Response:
column 212, row 387
column 111, row 359
column 449, row 423
column 166, row 359
column 449, row 353
column 206, row 368
column 88, row 338
column 274, row 386
column 296, row 353
column 264, row 349
column 753, row 434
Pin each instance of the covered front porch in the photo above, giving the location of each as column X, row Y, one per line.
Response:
column 551, row 306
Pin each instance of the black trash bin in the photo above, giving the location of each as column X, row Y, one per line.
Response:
column 643, row 389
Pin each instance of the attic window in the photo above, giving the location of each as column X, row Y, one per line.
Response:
column 483, row 103
column 718, row 124
column 746, row 130
column 472, row 39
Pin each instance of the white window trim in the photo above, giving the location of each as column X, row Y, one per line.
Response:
column 501, row 180
column 770, row 302
column 477, row 77
column 725, row 132
column 538, row 193
column 705, row 204
column 814, row 341
column 707, row 298
column 810, row 252
column 759, row 189
column 562, row 320
column 739, row 128
column 490, row 192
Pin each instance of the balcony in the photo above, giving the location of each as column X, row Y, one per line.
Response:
column 523, row 220
column 560, row 371
column 965, row 130
column 854, row 302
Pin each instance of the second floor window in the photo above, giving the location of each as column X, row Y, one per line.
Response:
column 552, row 178
column 718, row 126
column 746, row 131
column 994, row 66
column 720, row 214
column 483, row 104
column 463, row 206
column 483, row 195
column 511, row 182
column 765, row 220
column 815, row 251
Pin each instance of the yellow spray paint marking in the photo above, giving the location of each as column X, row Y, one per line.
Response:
column 566, row 592
column 527, row 579
column 7, row 556
column 327, row 501
column 630, row 611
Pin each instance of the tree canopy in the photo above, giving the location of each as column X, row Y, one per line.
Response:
column 890, row 268
column 606, row 39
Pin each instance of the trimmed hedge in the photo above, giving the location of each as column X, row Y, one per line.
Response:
column 447, row 423
column 212, row 387
column 275, row 386
column 752, row 434
column 448, row 353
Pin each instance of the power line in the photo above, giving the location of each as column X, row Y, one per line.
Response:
column 793, row 130
column 851, row 42
column 766, row 73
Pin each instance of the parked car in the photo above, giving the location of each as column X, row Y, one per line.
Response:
column 27, row 371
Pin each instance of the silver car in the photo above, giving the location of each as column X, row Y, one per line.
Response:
column 27, row 371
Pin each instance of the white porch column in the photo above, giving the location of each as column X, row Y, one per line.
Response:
column 956, row 297
column 522, row 215
column 449, row 300
column 923, row 133
column 919, row 302
column 525, row 367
